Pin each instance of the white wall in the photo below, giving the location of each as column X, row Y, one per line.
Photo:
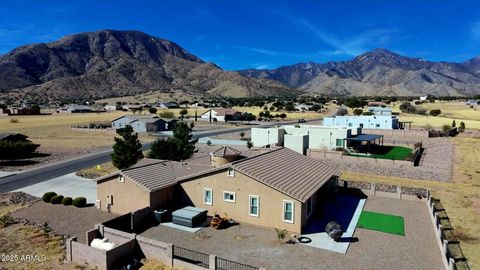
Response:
column 368, row 121
column 297, row 142
column 267, row 136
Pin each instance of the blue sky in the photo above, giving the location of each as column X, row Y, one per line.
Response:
column 261, row 34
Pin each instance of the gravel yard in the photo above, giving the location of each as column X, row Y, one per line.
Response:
column 65, row 220
column 375, row 250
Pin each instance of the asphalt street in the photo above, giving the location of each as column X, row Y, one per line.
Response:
column 54, row 170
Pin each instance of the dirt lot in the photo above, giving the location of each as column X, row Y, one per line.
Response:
column 65, row 220
column 374, row 250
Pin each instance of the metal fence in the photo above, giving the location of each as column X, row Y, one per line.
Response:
column 191, row 256
column 224, row 264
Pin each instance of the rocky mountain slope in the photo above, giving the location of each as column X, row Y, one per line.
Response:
column 380, row 72
column 111, row 63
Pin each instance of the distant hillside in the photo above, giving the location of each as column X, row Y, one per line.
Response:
column 111, row 63
column 379, row 72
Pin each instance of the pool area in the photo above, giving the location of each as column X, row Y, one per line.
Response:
column 345, row 210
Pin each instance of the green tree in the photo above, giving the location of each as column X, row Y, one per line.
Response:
column 446, row 128
column 242, row 134
column 248, row 117
column 454, row 124
column 10, row 150
column 249, row 145
column 289, row 107
column 127, row 150
column 166, row 149
column 167, row 114
column 357, row 111
column 152, row 110
column 183, row 133
column 283, row 116
column 462, row 126
column 435, row 112
column 183, row 112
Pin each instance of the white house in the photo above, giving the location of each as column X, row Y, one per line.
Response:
column 303, row 107
column 301, row 137
column 362, row 121
column 380, row 110
column 267, row 136
column 221, row 114
column 424, row 98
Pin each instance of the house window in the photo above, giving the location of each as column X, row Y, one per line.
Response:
column 288, row 212
column 121, row 179
column 361, row 125
column 207, row 196
column 350, row 124
column 229, row 196
column 231, row 172
column 339, row 143
column 253, row 205
column 309, row 204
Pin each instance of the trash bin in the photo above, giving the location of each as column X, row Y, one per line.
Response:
column 160, row 215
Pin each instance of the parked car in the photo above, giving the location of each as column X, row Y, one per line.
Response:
column 301, row 120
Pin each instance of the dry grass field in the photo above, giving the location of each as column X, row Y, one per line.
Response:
column 54, row 134
column 461, row 197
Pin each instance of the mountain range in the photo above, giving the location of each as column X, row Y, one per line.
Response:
column 379, row 72
column 111, row 63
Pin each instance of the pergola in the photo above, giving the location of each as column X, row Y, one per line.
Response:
column 369, row 138
column 403, row 124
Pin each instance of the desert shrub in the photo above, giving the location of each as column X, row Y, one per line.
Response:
column 80, row 202
column 367, row 113
column 435, row 112
column 67, row 201
column 14, row 120
column 357, row 111
column 209, row 143
column 48, row 195
column 281, row 234
column 6, row 220
column 57, row 199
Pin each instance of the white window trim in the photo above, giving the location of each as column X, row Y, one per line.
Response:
column 204, row 196
column 250, row 205
column 234, row 196
column 230, row 172
column 293, row 211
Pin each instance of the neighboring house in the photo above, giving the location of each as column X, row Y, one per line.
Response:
column 152, row 124
column 166, row 105
column 21, row 111
column 276, row 189
column 267, row 136
column 144, row 123
column 376, row 103
column 362, row 121
column 76, row 108
column 13, row 137
column 473, row 102
column 301, row 137
column 221, row 114
column 116, row 107
column 424, row 98
column 303, row 107
column 380, row 110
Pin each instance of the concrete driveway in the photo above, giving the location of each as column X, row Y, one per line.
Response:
column 69, row 185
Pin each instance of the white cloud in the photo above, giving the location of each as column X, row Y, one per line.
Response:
column 261, row 66
column 351, row 46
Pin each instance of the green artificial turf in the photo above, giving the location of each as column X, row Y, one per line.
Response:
column 391, row 152
column 381, row 222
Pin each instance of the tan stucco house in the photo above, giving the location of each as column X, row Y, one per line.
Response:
column 277, row 189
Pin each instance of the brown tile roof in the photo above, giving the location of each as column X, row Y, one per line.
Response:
column 154, row 174
column 225, row 151
column 287, row 171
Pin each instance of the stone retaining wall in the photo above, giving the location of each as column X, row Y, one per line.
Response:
column 452, row 254
column 383, row 190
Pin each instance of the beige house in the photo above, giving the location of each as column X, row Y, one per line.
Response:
column 277, row 189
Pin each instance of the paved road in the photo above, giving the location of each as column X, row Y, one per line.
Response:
column 58, row 169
